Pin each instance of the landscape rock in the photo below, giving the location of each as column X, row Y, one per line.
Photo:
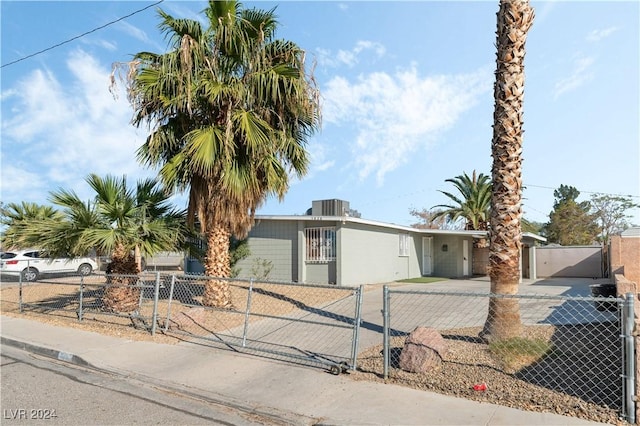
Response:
column 423, row 351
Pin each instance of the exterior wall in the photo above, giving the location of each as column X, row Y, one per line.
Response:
column 574, row 262
column 449, row 263
column 370, row 254
column 480, row 260
column 277, row 242
column 625, row 257
column 320, row 273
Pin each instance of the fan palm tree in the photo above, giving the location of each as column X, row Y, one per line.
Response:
column 514, row 19
column 118, row 221
column 474, row 205
column 14, row 216
column 230, row 109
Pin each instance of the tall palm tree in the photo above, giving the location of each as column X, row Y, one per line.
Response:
column 118, row 221
column 515, row 17
column 230, row 109
column 474, row 205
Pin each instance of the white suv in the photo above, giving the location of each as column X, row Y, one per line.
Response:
column 31, row 265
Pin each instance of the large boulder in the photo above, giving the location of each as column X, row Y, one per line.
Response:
column 423, row 351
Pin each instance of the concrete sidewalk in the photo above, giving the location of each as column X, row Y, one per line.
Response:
column 280, row 391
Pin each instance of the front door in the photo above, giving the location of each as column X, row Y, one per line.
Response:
column 427, row 250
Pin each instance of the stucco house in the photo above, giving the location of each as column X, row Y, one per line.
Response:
column 331, row 245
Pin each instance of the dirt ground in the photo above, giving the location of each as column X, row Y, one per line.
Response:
column 56, row 301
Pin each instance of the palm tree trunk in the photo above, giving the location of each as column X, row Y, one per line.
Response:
column 138, row 257
column 217, row 264
column 120, row 295
column 514, row 20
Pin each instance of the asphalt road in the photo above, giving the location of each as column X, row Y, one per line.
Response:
column 39, row 390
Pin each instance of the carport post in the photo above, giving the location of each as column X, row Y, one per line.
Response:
column 533, row 272
column 385, row 330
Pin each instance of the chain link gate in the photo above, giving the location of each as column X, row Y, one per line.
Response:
column 311, row 324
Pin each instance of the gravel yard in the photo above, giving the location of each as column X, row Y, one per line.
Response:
column 532, row 385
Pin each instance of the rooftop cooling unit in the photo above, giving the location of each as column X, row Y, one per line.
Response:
column 329, row 208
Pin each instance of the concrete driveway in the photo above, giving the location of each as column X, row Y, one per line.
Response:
column 543, row 286
column 462, row 303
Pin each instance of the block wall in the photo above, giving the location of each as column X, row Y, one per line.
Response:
column 625, row 257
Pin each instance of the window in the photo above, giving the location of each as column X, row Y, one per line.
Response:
column 321, row 244
column 404, row 245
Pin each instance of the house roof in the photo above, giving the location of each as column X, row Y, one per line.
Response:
column 631, row 232
column 344, row 219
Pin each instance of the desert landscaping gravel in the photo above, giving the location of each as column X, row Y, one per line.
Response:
column 468, row 363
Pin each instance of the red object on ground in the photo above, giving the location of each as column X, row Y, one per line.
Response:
column 480, row 387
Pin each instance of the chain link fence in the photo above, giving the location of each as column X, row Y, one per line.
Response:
column 311, row 324
column 307, row 323
column 92, row 297
column 570, row 351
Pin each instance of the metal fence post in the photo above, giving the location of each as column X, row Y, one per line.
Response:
column 173, row 283
column 246, row 314
column 81, row 298
column 156, row 294
column 629, row 358
column 385, row 330
column 356, row 328
column 20, row 293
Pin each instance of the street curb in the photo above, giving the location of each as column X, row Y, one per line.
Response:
column 51, row 353
column 272, row 414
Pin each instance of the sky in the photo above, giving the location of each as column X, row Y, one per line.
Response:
column 406, row 91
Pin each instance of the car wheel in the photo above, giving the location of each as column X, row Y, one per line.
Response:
column 85, row 269
column 29, row 274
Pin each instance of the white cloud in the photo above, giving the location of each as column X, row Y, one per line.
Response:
column 349, row 57
column 319, row 159
column 17, row 180
column 62, row 134
column 133, row 31
column 183, row 10
column 581, row 74
column 155, row 42
column 107, row 45
column 363, row 45
column 395, row 115
column 597, row 35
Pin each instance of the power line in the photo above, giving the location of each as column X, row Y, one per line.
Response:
column 586, row 192
column 81, row 35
